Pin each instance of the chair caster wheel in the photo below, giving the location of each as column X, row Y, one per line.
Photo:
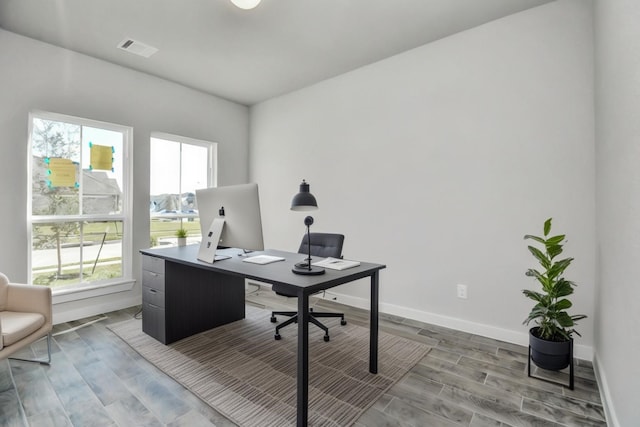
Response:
column 273, row 319
column 277, row 337
column 343, row 322
column 326, row 338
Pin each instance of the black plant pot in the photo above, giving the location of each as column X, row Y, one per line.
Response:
column 551, row 355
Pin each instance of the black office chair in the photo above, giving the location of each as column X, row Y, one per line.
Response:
column 322, row 245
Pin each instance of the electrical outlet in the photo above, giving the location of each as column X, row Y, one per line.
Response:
column 462, row 291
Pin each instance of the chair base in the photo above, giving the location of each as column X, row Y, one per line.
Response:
column 40, row 361
column 293, row 318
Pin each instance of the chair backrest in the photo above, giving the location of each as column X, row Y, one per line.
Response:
column 323, row 245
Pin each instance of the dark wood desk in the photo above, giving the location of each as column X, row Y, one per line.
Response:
column 213, row 287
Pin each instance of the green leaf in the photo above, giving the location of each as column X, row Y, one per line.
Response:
column 536, row 313
column 549, row 288
column 536, row 238
column 564, row 319
column 536, row 296
column 558, row 267
column 539, row 276
column 554, row 250
column 562, row 288
column 563, row 304
column 540, row 256
column 555, row 240
column 547, row 227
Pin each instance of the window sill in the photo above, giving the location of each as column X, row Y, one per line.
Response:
column 91, row 291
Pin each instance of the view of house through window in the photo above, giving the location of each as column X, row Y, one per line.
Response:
column 79, row 214
column 178, row 166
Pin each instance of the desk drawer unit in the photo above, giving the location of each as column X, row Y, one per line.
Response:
column 153, row 264
column 153, row 297
column 180, row 300
column 153, row 280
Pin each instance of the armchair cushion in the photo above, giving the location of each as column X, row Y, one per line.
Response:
column 16, row 326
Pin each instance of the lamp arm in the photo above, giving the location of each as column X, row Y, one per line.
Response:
column 306, row 267
column 309, row 245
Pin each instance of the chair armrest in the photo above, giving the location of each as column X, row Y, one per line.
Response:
column 30, row 299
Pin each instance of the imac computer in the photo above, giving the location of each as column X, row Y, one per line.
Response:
column 229, row 218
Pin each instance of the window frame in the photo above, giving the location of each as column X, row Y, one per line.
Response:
column 84, row 290
column 212, row 169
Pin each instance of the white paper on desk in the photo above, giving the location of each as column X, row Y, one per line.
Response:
column 336, row 263
column 263, row 259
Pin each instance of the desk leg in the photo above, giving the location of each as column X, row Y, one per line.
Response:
column 373, row 333
column 303, row 360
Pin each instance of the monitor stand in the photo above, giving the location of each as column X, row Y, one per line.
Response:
column 209, row 243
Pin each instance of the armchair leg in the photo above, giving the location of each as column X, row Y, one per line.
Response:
column 40, row 361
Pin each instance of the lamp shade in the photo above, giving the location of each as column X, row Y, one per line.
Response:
column 246, row 4
column 304, row 200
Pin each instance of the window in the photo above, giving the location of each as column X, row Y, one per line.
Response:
column 178, row 166
column 79, row 213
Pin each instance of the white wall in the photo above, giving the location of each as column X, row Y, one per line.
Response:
column 38, row 76
column 618, row 195
column 437, row 161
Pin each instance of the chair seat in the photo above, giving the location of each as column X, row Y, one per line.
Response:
column 16, row 326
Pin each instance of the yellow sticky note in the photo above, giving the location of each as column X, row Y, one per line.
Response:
column 62, row 172
column 101, row 157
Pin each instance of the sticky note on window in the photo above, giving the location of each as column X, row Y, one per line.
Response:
column 62, row 172
column 101, row 157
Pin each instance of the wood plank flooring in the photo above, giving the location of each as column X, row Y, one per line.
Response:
column 95, row 379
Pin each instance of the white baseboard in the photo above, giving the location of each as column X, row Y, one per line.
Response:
column 516, row 337
column 62, row 315
column 605, row 394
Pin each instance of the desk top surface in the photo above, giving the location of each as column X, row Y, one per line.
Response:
column 276, row 273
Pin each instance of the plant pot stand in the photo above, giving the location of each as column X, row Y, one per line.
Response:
column 571, row 377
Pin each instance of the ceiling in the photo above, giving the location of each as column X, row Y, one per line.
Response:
column 249, row 56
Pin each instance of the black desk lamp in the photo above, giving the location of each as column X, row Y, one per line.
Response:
column 304, row 201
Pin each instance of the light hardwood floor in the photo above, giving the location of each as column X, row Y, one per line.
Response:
column 95, row 379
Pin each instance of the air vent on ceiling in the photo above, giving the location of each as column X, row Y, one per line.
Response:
column 136, row 47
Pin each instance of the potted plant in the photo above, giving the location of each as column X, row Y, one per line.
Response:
column 551, row 340
column 182, row 236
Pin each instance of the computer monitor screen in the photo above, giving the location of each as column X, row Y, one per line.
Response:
column 239, row 206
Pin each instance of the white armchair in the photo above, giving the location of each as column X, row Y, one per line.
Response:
column 25, row 317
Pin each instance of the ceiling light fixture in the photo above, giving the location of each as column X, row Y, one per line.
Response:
column 246, row 4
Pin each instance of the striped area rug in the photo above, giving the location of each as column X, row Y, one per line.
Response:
column 242, row 372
